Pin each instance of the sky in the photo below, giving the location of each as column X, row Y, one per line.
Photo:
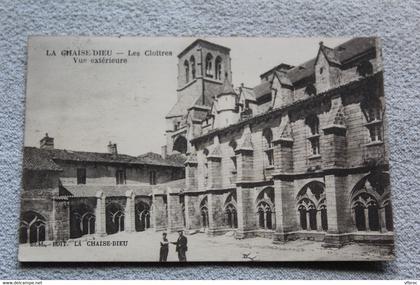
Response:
column 84, row 105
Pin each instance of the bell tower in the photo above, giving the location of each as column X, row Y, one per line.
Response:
column 203, row 67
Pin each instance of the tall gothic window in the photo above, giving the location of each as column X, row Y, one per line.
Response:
column 313, row 125
column 373, row 114
column 268, row 146
column 192, row 62
column 218, row 68
column 187, row 71
column 312, row 207
column 209, row 65
column 265, row 209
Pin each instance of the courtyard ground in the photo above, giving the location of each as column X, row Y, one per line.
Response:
column 144, row 246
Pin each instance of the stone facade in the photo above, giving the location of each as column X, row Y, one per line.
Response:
column 302, row 155
column 69, row 194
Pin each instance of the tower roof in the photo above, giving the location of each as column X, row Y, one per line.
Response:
column 227, row 88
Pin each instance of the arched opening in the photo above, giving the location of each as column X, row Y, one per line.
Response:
column 114, row 218
column 32, row 228
column 370, row 204
column 204, row 213
column 231, row 217
column 209, row 65
column 311, row 207
column 313, row 137
column 187, row 71
column 82, row 221
column 192, row 62
column 265, row 209
column 268, row 146
column 180, row 145
column 372, row 109
column 142, row 221
column 218, row 64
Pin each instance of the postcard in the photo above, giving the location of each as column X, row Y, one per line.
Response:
column 205, row 149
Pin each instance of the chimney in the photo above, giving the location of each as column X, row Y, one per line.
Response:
column 112, row 148
column 46, row 142
column 164, row 152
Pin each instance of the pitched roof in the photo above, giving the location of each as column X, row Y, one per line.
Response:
column 183, row 104
column 45, row 158
column 38, row 159
column 248, row 93
column 340, row 54
column 227, row 88
column 83, row 190
column 262, row 89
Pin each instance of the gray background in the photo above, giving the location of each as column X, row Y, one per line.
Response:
column 397, row 22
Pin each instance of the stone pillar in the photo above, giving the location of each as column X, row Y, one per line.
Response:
column 286, row 215
column 187, row 212
column 338, row 211
column 129, row 212
column 212, row 224
column 245, row 211
column 59, row 226
column 308, row 221
column 100, row 214
column 382, row 220
column 367, row 219
column 318, row 221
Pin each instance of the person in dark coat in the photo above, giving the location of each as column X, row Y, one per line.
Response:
column 164, row 248
column 181, row 246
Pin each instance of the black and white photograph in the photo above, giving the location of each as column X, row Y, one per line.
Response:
column 172, row 149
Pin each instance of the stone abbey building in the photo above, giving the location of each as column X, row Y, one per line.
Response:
column 302, row 155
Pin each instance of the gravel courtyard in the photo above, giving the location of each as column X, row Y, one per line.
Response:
column 144, row 246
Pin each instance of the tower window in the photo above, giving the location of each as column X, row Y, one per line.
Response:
column 313, row 124
column 192, row 62
column 218, row 68
column 81, row 176
column 209, row 65
column 372, row 112
column 120, row 176
column 187, row 71
column 268, row 144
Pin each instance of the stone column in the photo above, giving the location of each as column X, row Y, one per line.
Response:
column 129, row 212
column 382, row 220
column 308, row 221
column 100, row 214
column 367, row 219
column 339, row 213
column 286, row 216
column 211, row 222
column 319, row 220
column 245, row 211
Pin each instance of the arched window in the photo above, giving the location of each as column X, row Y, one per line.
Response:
column 180, row 145
column 313, row 125
column 204, row 213
column 218, row 68
column 265, row 209
column 192, row 62
column 32, row 228
column 233, row 145
column 372, row 110
column 312, row 208
column 310, row 90
column 82, row 220
column 187, row 71
column 365, row 68
column 114, row 218
column 370, row 204
column 142, row 219
column 209, row 65
column 268, row 146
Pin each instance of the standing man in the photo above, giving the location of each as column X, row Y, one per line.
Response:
column 181, row 246
column 164, row 248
